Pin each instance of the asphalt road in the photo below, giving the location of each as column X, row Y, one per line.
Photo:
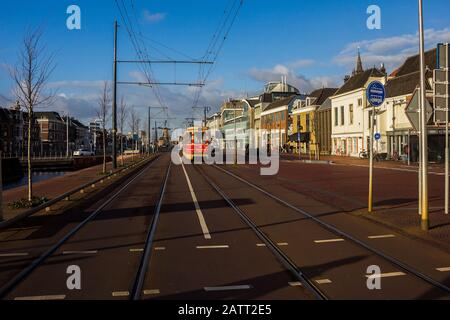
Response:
column 203, row 249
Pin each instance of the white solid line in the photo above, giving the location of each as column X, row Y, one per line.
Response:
column 444, row 269
column 385, row 236
column 50, row 297
column 136, row 250
column 80, row 252
column 7, row 255
column 213, row 247
column 201, row 218
column 386, row 275
column 227, row 288
column 151, row 292
column 120, row 294
column 329, row 240
column 295, row 284
column 323, row 281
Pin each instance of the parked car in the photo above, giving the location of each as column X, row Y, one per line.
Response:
column 83, row 153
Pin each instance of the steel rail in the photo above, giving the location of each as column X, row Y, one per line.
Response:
column 21, row 276
column 343, row 234
column 145, row 260
column 276, row 251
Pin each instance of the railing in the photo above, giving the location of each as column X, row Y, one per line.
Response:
column 66, row 196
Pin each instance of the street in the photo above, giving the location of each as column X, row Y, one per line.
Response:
column 226, row 233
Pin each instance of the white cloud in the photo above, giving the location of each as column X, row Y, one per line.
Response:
column 297, row 80
column 392, row 51
column 153, row 17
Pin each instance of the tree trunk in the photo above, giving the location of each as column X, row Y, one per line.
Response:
column 30, row 177
column 104, row 152
column 121, row 151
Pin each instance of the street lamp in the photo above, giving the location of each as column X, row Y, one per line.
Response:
column 423, row 127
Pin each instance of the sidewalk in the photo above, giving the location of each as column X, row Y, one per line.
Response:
column 341, row 160
column 395, row 192
column 55, row 187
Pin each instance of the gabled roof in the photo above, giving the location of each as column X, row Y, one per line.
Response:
column 281, row 102
column 326, row 105
column 322, row 95
column 359, row 80
column 404, row 85
column 252, row 102
column 407, row 77
column 412, row 64
column 51, row 115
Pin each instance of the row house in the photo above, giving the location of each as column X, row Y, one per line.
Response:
column 351, row 116
column 306, row 121
column 53, row 133
column 14, row 132
column 401, row 138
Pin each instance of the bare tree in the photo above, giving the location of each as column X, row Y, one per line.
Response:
column 103, row 110
column 122, row 118
column 30, row 76
column 132, row 121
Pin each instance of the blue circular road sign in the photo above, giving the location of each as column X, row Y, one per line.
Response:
column 377, row 136
column 376, row 93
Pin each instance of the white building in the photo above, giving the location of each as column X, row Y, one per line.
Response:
column 351, row 116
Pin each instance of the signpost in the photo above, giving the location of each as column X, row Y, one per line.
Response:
column 441, row 90
column 414, row 115
column 376, row 94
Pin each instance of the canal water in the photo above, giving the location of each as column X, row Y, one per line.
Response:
column 37, row 177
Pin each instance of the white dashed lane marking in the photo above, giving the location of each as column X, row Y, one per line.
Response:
column 80, row 252
column 443, row 269
column 49, row 297
column 151, row 292
column 12, row 255
column 329, row 241
column 295, row 284
column 227, row 288
column 384, row 236
column 323, row 281
column 120, row 294
column 213, row 247
column 386, row 275
column 136, row 250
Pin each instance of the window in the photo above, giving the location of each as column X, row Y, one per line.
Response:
column 360, row 101
column 342, row 116
column 351, row 113
column 307, row 123
column 298, row 123
column 336, row 117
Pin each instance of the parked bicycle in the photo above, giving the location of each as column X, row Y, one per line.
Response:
column 365, row 155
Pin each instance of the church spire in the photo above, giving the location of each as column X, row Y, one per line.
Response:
column 359, row 66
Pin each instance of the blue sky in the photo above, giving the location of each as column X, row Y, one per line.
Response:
column 312, row 42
